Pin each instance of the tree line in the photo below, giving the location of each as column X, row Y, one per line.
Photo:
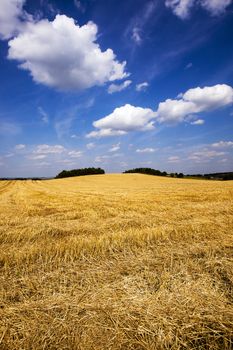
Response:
column 150, row 171
column 79, row 172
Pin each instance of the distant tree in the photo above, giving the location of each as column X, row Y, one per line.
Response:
column 80, row 172
column 180, row 175
column 148, row 171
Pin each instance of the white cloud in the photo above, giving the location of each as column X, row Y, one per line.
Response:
column 64, row 55
column 198, row 122
column 75, row 154
column 182, row 8
column 205, row 155
column 47, row 149
column 130, row 118
column 10, row 13
column 210, row 97
column 37, row 156
column 145, row 150
column 173, row 159
column 223, row 144
column 194, row 101
column 117, row 88
column 215, row 7
column 90, row 145
column 20, row 147
column 175, row 111
column 142, row 86
column 124, row 119
column 115, row 147
column 101, row 159
column 105, row 133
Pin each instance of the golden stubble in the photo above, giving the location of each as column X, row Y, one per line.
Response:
column 116, row 262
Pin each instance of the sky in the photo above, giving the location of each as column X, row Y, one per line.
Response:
column 115, row 84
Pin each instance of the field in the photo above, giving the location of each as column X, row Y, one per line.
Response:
column 116, row 262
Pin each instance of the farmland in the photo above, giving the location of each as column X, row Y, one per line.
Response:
column 116, row 262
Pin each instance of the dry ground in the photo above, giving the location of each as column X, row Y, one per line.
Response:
column 116, row 262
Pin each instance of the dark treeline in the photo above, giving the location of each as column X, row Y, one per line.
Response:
column 150, row 171
column 80, row 172
column 214, row 176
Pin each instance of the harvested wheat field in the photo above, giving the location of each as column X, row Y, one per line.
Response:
column 116, row 262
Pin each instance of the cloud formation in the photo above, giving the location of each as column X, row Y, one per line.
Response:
column 142, row 86
column 145, row 150
column 194, row 101
column 64, row 55
column 223, row 144
column 124, row 119
column 47, row 149
column 198, row 122
column 183, row 109
column 118, row 87
column 20, row 147
column 75, row 154
column 115, row 147
column 182, row 8
column 59, row 53
column 10, row 13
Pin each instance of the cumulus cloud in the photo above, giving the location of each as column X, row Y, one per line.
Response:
column 124, row 119
column 20, row 147
column 183, row 109
column 142, row 86
column 175, row 111
column 182, row 8
column 10, row 13
column 223, row 144
column 47, row 149
column 62, row 54
column 118, row 87
column 145, row 150
column 210, row 97
column 194, row 101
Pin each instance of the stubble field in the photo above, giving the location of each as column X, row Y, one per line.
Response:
column 116, row 262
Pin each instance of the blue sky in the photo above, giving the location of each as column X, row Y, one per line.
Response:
column 115, row 84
